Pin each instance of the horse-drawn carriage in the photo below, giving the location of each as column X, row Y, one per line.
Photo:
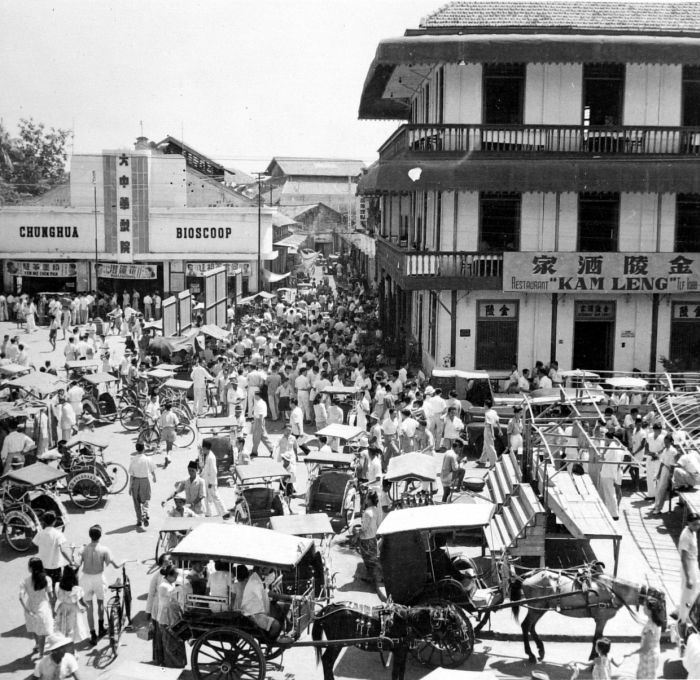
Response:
column 100, row 398
column 258, row 491
column 25, row 495
column 229, row 644
column 332, row 487
column 412, row 477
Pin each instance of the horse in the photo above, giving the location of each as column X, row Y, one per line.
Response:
column 583, row 593
column 394, row 627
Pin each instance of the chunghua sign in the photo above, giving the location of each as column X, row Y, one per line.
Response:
column 48, row 232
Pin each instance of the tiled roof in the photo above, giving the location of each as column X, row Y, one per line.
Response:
column 321, row 167
column 625, row 17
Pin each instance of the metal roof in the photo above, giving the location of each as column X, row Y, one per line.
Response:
column 321, row 167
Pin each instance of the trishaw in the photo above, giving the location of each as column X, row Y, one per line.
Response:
column 25, row 495
column 331, row 487
column 258, row 491
column 90, row 476
column 174, row 529
column 318, row 527
column 412, row 477
column 408, row 548
column 9, row 371
column 337, row 433
column 99, row 400
column 221, row 433
column 75, row 370
column 228, row 645
column 347, row 397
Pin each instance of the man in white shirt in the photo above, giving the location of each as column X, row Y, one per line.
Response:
column 255, row 603
column 156, row 306
column 199, row 377
column 148, row 307
column 210, row 475
column 259, row 430
column 296, row 418
column 140, row 469
column 53, row 548
column 75, row 396
column 303, row 389
column 407, row 432
column 452, row 427
column 437, row 407
column 15, row 444
column 67, row 419
column 492, row 429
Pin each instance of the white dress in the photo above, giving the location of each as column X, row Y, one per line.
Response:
column 70, row 616
column 688, row 542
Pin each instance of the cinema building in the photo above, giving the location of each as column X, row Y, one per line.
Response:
column 148, row 218
column 541, row 198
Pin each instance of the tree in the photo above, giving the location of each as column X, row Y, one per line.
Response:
column 33, row 162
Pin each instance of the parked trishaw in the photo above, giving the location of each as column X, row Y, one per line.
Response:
column 25, row 495
column 10, row 371
column 100, row 399
column 347, row 397
column 343, row 438
column 474, row 387
column 75, row 370
column 412, row 477
column 413, row 543
column 331, row 487
column 174, row 529
column 90, row 476
column 220, row 433
column 258, row 491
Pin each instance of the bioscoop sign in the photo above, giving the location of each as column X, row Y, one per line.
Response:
column 557, row 272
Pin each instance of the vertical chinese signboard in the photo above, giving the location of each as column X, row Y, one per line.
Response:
column 125, row 246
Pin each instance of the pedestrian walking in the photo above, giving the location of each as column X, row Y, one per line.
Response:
column 371, row 519
column 492, row 429
column 688, row 549
column 168, row 425
column 199, row 377
column 259, row 430
column 52, row 547
column 210, row 474
column 67, row 419
column 36, row 598
column 71, row 610
column 667, row 462
column 650, row 641
column 141, row 471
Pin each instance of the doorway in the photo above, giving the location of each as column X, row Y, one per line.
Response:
column 594, row 333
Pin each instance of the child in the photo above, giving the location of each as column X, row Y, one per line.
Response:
column 384, row 497
column 70, row 607
column 288, row 481
column 600, row 665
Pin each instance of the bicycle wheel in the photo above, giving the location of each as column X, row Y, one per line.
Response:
column 118, row 477
column 184, row 436
column 86, row 493
column 131, row 418
column 182, row 415
column 114, row 625
column 19, row 530
column 149, row 437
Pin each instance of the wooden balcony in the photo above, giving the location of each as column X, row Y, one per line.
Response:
column 449, row 141
column 431, row 270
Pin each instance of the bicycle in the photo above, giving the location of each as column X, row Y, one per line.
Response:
column 119, row 608
column 150, row 435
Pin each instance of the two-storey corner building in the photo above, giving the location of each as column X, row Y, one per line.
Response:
column 542, row 199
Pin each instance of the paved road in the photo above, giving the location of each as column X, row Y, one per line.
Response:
column 500, row 656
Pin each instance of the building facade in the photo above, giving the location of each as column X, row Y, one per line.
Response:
column 542, row 201
column 134, row 218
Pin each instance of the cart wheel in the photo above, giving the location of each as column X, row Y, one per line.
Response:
column 481, row 621
column 86, row 493
column 241, row 514
column 184, row 436
column 118, row 477
column 19, row 530
column 451, row 642
column 131, row 418
column 227, row 654
column 91, row 408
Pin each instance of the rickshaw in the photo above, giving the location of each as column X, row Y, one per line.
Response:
column 287, row 294
column 76, row 370
column 408, row 549
column 228, row 644
column 220, row 433
column 474, row 387
column 258, row 493
column 25, row 495
column 347, row 398
column 99, row 400
column 10, row 371
column 90, row 477
column 412, row 477
column 331, row 487
column 318, row 527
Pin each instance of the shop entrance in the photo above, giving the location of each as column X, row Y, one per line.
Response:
column 684, row 349
column 594, row 333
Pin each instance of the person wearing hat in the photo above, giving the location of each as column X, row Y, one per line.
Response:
column 141, row 468
column 232, row 394
column 58, row 663
column 688, row 549
column 168, row 423
column 180, row 508
column 654, row 447
column 193, row 487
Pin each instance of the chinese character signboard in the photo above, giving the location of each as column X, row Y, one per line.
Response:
column 686, row 311
column 595, row 311
column 124, row 209
column 127, row 271
column 548, row 272
column 43, row 269
column 497, row 309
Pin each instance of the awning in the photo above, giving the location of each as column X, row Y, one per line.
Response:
column 534, row 174
column 281, row 220
column 271, row 277
column 214, row 332
column 292, row 241
column 416, row 50
column 363, row 242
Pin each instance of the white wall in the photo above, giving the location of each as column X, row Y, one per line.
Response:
column 167, row 182
column 553, row 94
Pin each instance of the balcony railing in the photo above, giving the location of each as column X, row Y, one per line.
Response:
column 452, row 268
column 558, row 139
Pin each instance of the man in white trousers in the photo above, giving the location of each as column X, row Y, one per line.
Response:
column 211, row 481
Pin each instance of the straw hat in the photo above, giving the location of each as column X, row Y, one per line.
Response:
column 56, row 641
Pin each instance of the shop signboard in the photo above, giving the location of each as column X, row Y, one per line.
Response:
column 43, row 269
column 41, row 231
column 558, row 272
column 200, row 268
column 126, row 271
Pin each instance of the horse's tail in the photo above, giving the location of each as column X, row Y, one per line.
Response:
column 516, row 592
column 317, row 635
